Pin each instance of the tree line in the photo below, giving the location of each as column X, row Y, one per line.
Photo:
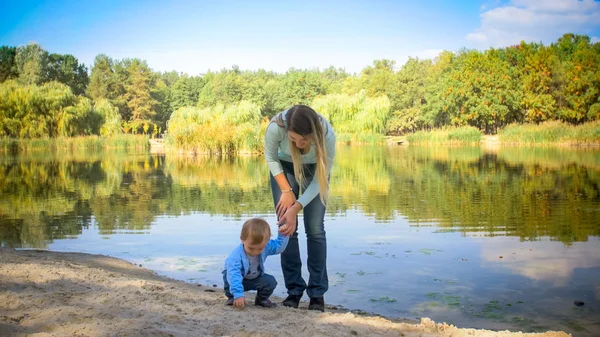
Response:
column 50, row 95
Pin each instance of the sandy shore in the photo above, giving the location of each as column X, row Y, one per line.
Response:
column 69, row 294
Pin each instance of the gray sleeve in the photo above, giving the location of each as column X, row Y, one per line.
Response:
column 272, row 140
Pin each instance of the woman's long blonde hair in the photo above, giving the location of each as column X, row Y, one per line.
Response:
column 304, row 121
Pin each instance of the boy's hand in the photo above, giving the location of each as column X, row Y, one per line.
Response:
column 239, row 302
column 287, row 223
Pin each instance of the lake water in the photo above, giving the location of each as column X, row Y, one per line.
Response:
column 501, row 238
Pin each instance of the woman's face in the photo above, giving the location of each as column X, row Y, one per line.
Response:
column 299, row 140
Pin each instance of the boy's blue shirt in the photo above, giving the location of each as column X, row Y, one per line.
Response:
column 237, row 263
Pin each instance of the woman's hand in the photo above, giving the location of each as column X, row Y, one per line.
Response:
column 286, row 201
column 287, row 222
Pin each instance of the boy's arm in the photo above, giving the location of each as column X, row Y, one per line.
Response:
column 233, row 266
column 277, row 246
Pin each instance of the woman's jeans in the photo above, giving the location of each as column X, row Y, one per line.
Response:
column 314, row 226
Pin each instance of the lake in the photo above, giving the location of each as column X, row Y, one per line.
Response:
column 505, row 238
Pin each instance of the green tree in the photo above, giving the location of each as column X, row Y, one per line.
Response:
column 224, row 87
column 436, row 111
column 538, row 81
column 579, row 99
column 8, row 68
column 183, row 93
column 66, row 69
column 412, row 85
column 49, row 110
column 300, row 87
column 32, row 64
column 138, row 91
column 380, row 79
column 102, row 79
column 111, row 119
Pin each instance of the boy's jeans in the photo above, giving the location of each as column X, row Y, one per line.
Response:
column 264, row 285
column 314, row 226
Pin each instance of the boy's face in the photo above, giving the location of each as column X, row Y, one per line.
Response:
column 254, row 249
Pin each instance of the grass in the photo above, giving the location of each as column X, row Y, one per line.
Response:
column 451, row 135
column 551, row 133
column 548, row 133
column 10, row 145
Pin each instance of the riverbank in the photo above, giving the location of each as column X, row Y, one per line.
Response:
column 46, row 293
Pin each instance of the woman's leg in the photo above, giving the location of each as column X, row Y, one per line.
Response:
column 314, row 214
column 316, row 242
column 291, row 264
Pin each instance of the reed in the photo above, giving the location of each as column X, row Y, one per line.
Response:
column 449, row 135
column 122, row 141
column 553, row 132
column 216, row 130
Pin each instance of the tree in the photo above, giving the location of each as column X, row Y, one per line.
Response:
column 538, row 82
column 224, row 87
column 138, row 91
column 435, row 112
column 101, row 84
column 66, row 69
column 8, row 68
column 301, row 87
column 412, row 84
column 380, row 79
column 579, row 99
column 183, row 93
column 32, row 64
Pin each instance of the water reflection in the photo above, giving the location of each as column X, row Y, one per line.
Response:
column 502, row 239
column 551, row 262
column 529, row 193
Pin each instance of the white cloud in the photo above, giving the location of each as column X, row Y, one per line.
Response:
column 557, row 5
column 535, row 21
column 548, row 261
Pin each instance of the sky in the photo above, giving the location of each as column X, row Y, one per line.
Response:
column 194, row 37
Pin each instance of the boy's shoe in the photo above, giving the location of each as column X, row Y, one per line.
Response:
column 264, row 302
column 230, row 301
column 292, row 301
column 317, row 303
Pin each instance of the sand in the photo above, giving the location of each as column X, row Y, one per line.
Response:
column 45, row 293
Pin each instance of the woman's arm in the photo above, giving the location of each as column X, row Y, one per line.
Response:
column 273, row 139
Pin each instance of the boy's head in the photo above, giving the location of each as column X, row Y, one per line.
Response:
column 255, row 235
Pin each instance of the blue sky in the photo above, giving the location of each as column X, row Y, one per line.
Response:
column 195, row 36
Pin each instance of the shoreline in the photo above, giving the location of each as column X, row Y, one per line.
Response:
column 46, row 293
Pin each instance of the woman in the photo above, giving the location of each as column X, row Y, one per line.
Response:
column 299, row 149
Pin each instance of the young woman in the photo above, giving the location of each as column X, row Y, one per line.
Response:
column 299, row 149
